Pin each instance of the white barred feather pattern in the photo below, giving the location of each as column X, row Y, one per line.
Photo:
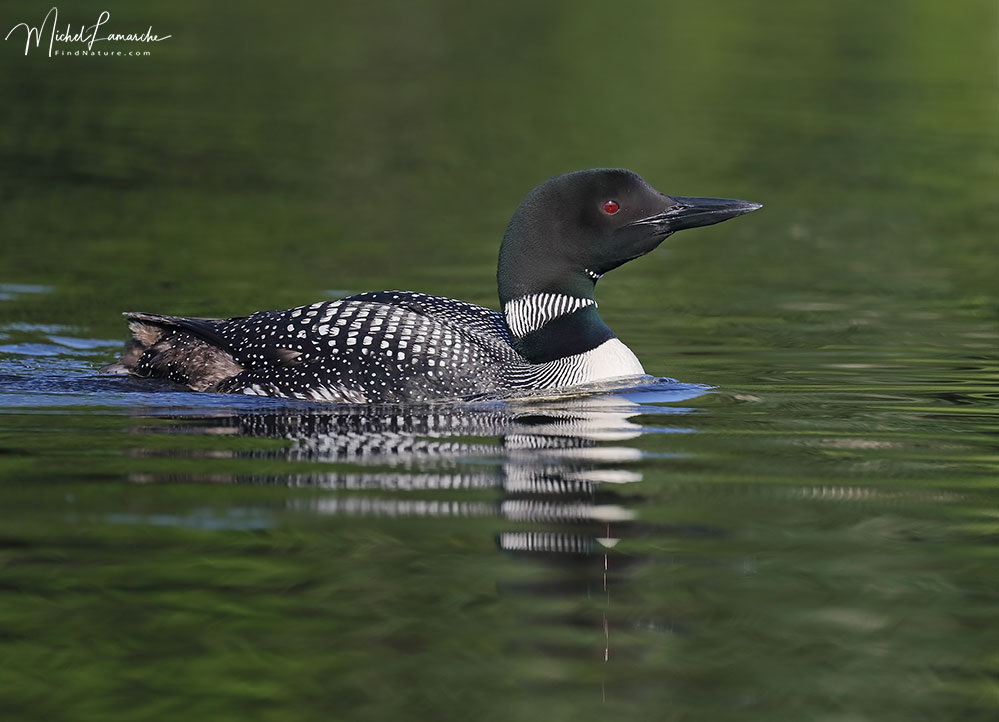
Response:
column 611, row 359
column 529, row 313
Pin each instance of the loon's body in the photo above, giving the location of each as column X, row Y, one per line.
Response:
column 398, row 346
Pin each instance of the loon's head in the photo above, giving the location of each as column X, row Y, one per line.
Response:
column 573, row 228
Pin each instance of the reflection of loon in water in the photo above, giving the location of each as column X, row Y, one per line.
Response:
column 558, row 466
column 553, row 460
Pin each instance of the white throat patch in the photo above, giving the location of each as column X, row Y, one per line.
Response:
column 529, row 313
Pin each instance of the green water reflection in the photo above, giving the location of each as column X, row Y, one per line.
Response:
column 814, row 539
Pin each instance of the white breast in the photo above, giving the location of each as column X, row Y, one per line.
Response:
column 609, row 360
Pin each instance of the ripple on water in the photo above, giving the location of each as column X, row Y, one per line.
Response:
column 11, row 291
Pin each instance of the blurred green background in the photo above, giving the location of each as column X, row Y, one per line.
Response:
column 263, row 155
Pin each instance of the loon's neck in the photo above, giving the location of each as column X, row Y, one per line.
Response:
column 549, row 326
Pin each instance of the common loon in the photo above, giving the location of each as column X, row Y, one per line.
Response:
column 400, row 346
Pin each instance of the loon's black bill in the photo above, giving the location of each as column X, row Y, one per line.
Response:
column 694, row 212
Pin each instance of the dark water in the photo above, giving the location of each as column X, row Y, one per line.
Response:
column 804, row 526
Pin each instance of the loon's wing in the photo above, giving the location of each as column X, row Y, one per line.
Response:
column 384, row 347
column 370, row 347
column 449, row 311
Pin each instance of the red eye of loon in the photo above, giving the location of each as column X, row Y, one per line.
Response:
column 611, row 207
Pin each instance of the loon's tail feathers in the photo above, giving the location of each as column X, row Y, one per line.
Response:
column 188, row 351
